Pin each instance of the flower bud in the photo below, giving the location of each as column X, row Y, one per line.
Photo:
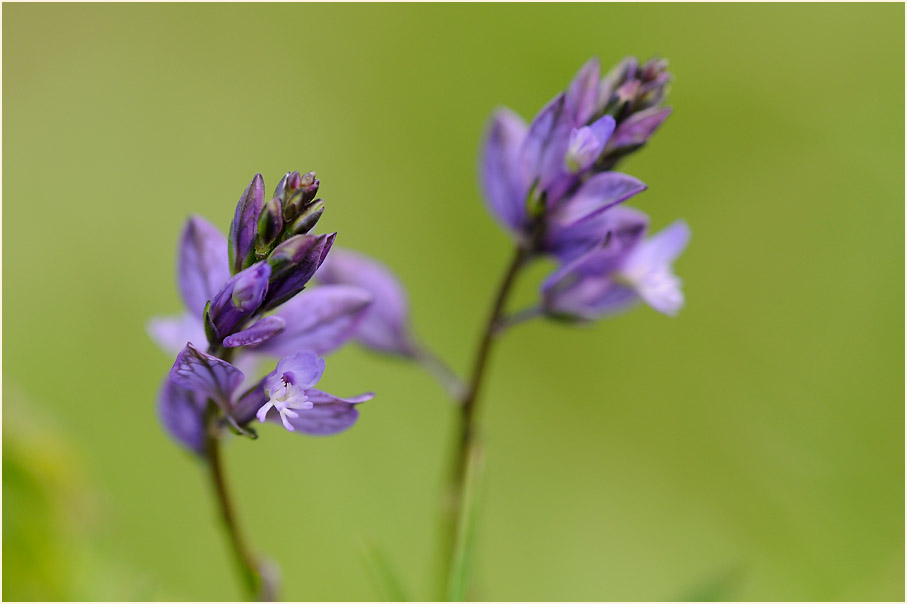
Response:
column 309, row 217
column 270, row 223
column 287, row 185
column 301, row 197
column 244, row 225
column 293, row 263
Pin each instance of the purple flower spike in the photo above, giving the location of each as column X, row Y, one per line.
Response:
column 385, row 327
column 240, row 298
column 262, row 331
column 245, row 225
column 612, row 278
column 293, row 263
column 202, row 266
column 501, row 172
column 320, row 320
column 207, row 375
column 182, row 412
column 287, row 395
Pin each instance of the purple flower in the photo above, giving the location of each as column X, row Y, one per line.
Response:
column 289, row 396
column 288, row 391
column 623, row 270
column 544, row 180
column 385, row 326
column 273, row 259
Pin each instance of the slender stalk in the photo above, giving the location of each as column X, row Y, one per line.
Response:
column 467, row 436
column 438, row 369
column 246, row 562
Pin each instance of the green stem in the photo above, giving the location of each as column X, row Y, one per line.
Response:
column 246, row 561
column 467, row 434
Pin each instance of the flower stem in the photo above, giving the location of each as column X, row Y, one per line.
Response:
column 253, row 583
column 467, row 434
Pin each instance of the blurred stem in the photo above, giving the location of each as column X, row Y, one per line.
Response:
column 439, row 370
column 517, row 318
column 255, row 587
column 467, row 434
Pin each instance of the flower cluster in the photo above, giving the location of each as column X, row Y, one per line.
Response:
column 245, row 302
column 552, row 186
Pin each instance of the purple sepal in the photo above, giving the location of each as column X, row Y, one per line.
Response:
column 500, row 169
column 241, row 297
column 206, row 374
column 293, row 263
column 543, row 151
column 202, row 266
column 262, row 331
column 612, row 278
column 620, row 228
column 172, row 333
column 245, row 224
column 249, row 403
column 321, row 320
column 182, row 413
column 582, row 93
column 597, row 194
column 637, row 128
column 323, row 419
column 385, row 327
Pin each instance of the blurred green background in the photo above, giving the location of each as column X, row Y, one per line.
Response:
column 751, row 449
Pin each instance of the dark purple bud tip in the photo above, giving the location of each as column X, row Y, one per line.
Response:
column 308, row 218
column 293, row 263
column 245, row 225
column 270, row 224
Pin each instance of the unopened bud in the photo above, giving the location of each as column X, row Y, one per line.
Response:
column 302, row 197
column 308, row 218
column 270, row 222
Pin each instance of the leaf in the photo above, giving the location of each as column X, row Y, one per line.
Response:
column 382, row 572
column 461, row 567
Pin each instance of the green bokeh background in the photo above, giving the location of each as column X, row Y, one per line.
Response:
column 751, row 448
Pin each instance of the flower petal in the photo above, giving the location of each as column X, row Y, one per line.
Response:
column 542, row 153
column 182, row 413
column 619, row 228
column 385, row 327
column 320, row 397
column 304, row 367
column 596, row 195
column 500, row 171
column 172, row 333
column 261, row 331
column 207, row 375
column 585, row 289
column 202, row 266
column 582, row 93
column 245, row 223
column 321, row 320
column 663, row 247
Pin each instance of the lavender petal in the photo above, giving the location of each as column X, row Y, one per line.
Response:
column 321, row 320
column 207, row 375
column 262, row 331
column 500, row 171
column 202, row 266
column 182, row 413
